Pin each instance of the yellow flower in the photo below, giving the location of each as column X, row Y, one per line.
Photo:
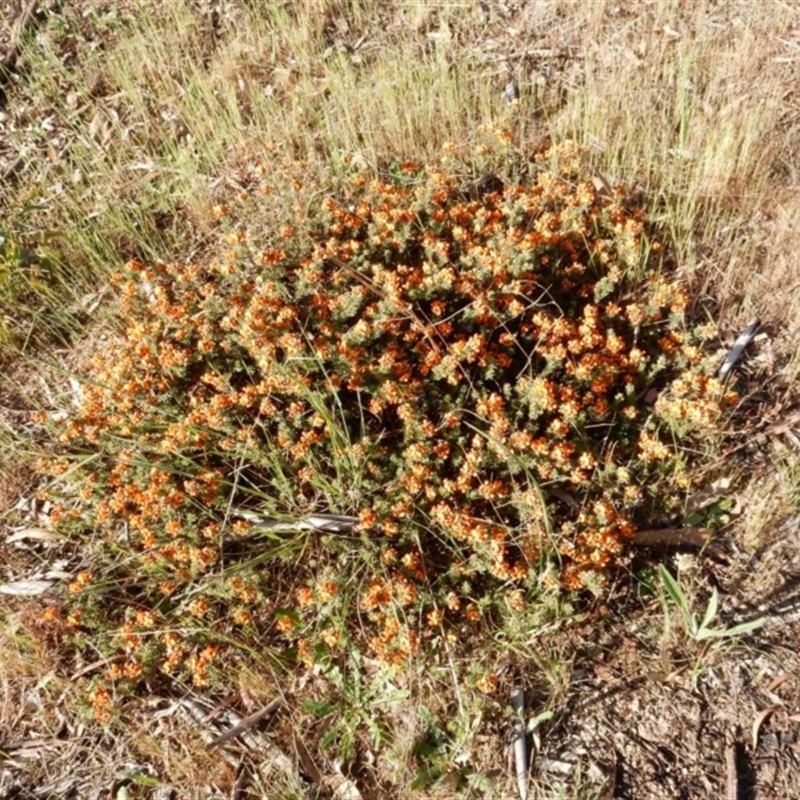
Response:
column 241, row 616
column 198, row 607
column 82, row 580
column 487, row 683
column 516, row 599
column 327, row 591
column 305, row 596
column 285, row 624
column 652, row 448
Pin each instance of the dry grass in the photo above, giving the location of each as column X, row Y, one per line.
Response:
column 134, row 119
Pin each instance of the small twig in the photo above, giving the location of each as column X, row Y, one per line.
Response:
column 12, row 168
column 328, row 523
column 611, row 786
column 220, row 707
column 244, row 725
column 520, row 748
column 101, row 662
column 242, row 776
column 731, row 773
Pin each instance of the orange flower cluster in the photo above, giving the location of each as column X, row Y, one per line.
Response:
column 459, row 369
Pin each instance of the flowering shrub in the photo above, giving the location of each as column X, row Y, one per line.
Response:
column 468, row 373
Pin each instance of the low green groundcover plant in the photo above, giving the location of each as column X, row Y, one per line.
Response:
column 471, row 374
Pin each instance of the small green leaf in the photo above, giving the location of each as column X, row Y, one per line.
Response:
column 144, row 780
column 320, row 708
column 736, row 630
column 711, row 611
column 674, row 590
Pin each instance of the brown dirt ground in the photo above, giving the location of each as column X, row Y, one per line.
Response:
column 668, row 722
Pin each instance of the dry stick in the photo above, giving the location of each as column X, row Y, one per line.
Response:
column 520, row 749
column 672, row 537
column 732, row 775
column 759, row 721
column 242, row 779
column 696, row 538
column 245, row 724
column 101, row 662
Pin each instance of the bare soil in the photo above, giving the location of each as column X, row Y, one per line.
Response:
column 663, row 720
